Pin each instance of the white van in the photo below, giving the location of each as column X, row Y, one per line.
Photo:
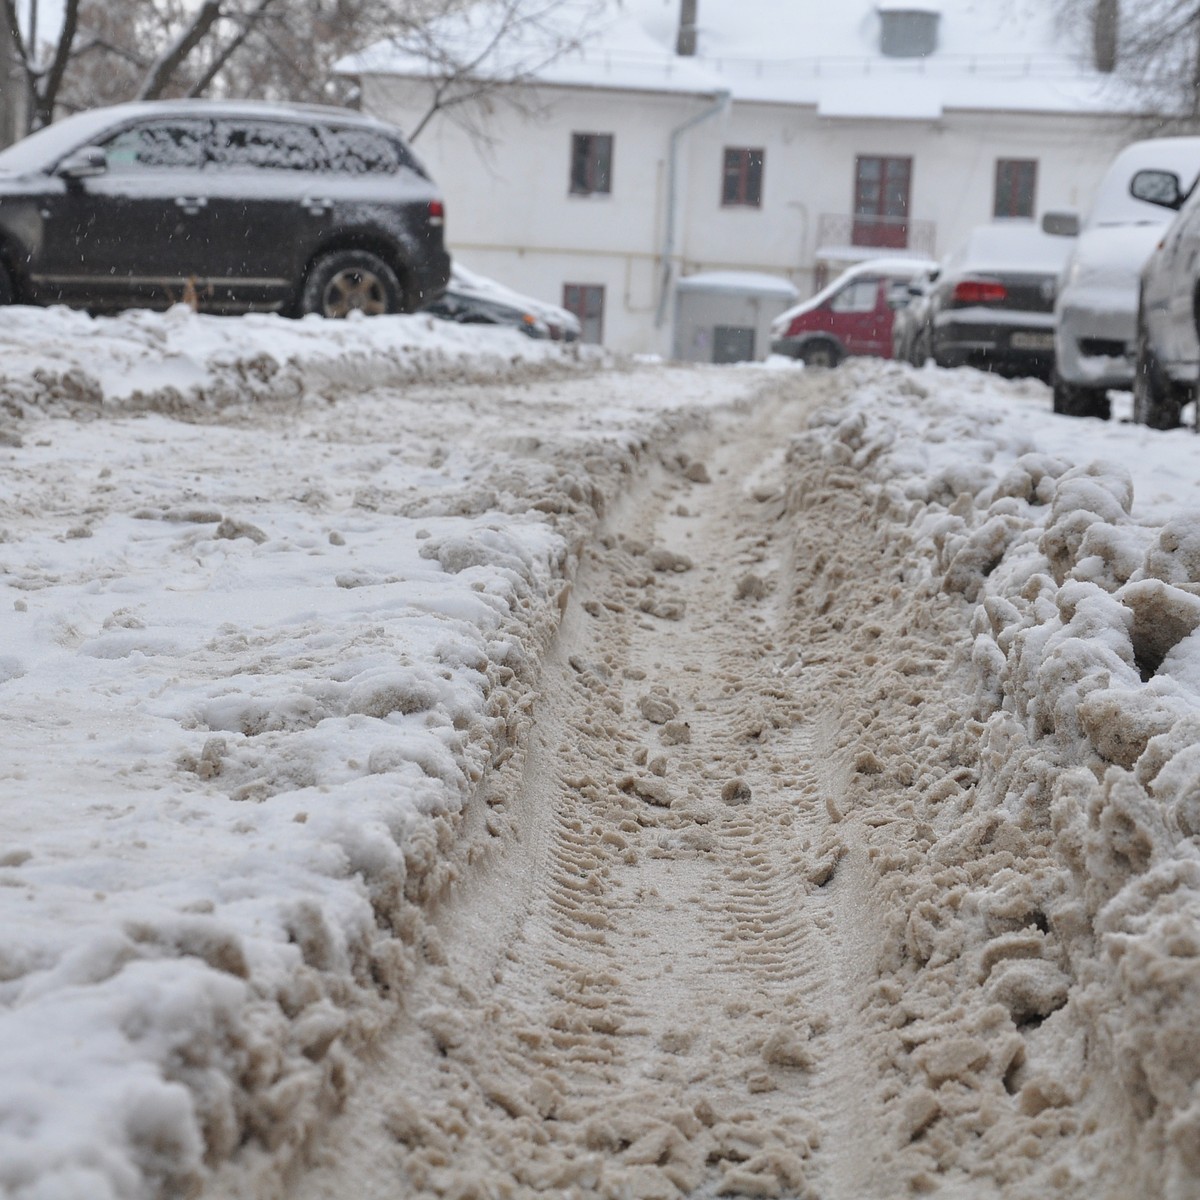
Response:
column 1095, row 339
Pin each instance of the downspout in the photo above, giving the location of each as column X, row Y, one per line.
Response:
column 668, row 247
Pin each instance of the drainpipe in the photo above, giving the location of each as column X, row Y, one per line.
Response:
column 668, row 248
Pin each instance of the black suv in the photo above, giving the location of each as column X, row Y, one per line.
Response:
column 229, row 206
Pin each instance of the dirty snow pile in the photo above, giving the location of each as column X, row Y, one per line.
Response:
column 166, row 361
column 270, row 604
column 1078, row 544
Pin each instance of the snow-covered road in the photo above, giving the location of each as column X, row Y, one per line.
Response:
column 434, row 761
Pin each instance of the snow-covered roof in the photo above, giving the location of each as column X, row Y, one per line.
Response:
column 581, row 43
column 748, row 282
column 989, row 56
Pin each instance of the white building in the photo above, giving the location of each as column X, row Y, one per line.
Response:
column 800, row 137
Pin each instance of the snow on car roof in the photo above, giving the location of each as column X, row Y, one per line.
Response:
column 1013, row 247
column 900, row 267
column 51, row 143
column 470, row 282
column 1114, row 205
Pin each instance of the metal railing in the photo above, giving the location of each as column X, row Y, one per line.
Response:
column 884, row 233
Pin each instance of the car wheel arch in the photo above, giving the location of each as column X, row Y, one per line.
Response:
column 808, row 341
column 395, row 257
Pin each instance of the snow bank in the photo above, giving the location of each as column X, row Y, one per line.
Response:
column 182, row 363
column 267, row 634
column 1069, row 540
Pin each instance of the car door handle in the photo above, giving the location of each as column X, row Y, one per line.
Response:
column 318, row 207
column 191, row 204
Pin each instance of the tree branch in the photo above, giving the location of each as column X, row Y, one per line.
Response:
column 249, row 22
column 188, row 40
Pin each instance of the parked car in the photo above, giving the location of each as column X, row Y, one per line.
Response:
column 235, row 206
column 472, row 299
column 1096, row 317
column 910, row 325
column 993, row 303
column 1168, row 342
column 853, row 315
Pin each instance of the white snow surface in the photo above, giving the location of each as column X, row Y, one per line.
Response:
column 263, row 583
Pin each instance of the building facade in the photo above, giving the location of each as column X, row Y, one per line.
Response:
column 608, row 178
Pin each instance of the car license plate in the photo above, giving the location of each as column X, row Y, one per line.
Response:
column 1032, row 341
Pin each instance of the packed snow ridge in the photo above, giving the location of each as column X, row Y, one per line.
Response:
column 1086, row 660
column 277, row 596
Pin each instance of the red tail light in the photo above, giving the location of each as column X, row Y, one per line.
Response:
column 437, row 212
column 979, row 291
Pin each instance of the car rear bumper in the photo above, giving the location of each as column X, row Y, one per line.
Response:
column 1097, row 347
column 428, row 276
column 1005, row 347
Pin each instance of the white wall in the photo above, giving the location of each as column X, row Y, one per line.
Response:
column 510, row 213
column 509, row 210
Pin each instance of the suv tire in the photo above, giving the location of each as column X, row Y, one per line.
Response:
column 821, row 353
column 346, row 281
column 1156, row 400
column 7, row 291
column 1071, row 400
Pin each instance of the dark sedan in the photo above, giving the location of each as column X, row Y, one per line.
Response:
column 229, row 206
column 992, row 306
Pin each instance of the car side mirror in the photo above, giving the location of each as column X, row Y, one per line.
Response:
column 1157, row 187
column 1061, row 224
column 83, row 164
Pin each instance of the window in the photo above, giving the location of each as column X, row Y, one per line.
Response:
column 908, row 32
column 859, row 296
column 363, row 152
column 591, row 164
column 881, row 191
column 586, row 301
column 741, row 183
column 273, row 145
column 1016, row 187
column 158, row 145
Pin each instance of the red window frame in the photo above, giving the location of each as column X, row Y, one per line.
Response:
column 586, row 301
column 1016, row 188
column 882, row 190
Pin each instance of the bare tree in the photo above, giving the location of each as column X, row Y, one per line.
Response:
column 1151, row 46
column 112, row 50
column 471, row 58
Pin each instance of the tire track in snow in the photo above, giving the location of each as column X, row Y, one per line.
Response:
column 638, row 1004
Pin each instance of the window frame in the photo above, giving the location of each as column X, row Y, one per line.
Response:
column 595, row 152
column 738, row 165
column 1010, row 190
column 574, row 297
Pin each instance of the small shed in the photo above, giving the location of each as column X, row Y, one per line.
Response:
column 725, row 316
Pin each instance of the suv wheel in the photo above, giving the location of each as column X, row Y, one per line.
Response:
column 347, row 281
column 1155, row 399
column 821, row 353
column 7, row 292
column 1073, row 401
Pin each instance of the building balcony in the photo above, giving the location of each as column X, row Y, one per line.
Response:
column 838, row 231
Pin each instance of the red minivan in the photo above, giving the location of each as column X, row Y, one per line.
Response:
column 853, row 315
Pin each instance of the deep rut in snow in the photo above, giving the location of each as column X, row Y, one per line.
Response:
column 659, row 989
